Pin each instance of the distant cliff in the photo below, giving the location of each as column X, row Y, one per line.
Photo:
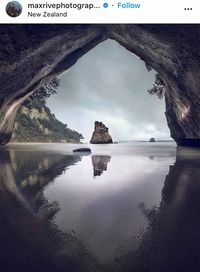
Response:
column 35, row 123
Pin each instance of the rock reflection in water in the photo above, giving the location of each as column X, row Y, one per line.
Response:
column 30, row 240
column 172, row 240
column 100, row 164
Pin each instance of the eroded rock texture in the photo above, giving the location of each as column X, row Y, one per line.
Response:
column 33, row 54
column 100, row 134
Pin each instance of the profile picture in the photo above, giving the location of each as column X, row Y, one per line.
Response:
column 13, row 9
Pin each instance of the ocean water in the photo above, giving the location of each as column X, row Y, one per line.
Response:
column 124, row 207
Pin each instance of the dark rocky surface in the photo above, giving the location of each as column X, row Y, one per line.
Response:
column 79, row 150
column 33, row 54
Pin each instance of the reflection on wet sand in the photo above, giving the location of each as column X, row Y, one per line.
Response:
column 31, row 241
column 172, row 240
column 100, row 163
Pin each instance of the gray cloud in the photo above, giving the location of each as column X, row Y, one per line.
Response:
column 110, row 84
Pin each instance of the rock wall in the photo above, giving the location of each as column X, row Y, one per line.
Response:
column 33, row 54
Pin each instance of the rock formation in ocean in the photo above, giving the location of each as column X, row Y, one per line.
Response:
column 152, row 140
column 100, row 164
column 33, row 54
column 100, row 134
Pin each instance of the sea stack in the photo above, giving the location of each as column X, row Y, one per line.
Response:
column 100, row 134
column 152, row 140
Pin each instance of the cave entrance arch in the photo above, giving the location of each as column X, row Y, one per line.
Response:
column 110, row 84
column 40, row 52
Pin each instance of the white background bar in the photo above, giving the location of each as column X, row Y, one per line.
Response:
column 136, row 11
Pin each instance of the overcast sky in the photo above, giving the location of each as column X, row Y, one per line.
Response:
column 110, row 84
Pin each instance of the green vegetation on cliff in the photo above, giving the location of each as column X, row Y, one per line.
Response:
column 35, row 123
